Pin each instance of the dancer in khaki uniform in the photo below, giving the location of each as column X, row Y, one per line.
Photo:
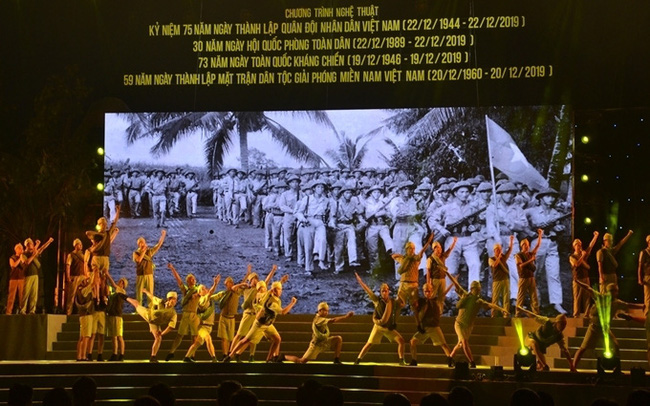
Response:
column 189, row 320
column 228, row 301
column 501, row 276
column 271, row 307
column 427, row 317
column 525, row 260
column 580, row 271
column 549, row 333
column 74, row 273
column 607, row 263
column 384, row 319
column 321, row 340
column 161, row 317
column 143, row 258
column 469, row 305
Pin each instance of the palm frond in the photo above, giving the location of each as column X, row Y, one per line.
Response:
column 215, row 148
column 292, row 144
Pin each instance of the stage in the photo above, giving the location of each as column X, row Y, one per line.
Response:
column 493, row 344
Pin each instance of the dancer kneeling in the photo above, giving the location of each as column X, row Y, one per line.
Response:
column 427, row 317
column 161, row 317
column 271, row 306
column 549, row 333
column 384, row 318
column 320, row 339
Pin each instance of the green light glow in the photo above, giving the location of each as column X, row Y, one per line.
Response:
column 604, row 306
column 523, row 351
column 520, row 334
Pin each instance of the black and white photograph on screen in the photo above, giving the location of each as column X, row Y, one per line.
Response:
column 327, row 194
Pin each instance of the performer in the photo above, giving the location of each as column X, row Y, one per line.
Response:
column 469, row 305
column 144, row 266
column 595, row 329
column 249, row 306
column 86, row 306
column 427, row 312
column 101, row 250
column 32, row 271
column 161, row 317
column 409, row 264
column 189, row 320
column 16, row 278
column 580, row 270
column 607, row 263
column 435, row 270
column 74, row 273
column 549, row 333
column 644, row 274
column 115, row 323
column 384, row 319
column 500, row 277
column 228, row 300
column 525, row 260
column 320, row 338
column 206, row 314
column 271, row 306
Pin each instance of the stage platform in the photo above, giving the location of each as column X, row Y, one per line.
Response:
column 493, row 343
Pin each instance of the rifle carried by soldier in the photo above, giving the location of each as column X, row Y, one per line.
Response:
column 464, row 219
column 548, row 225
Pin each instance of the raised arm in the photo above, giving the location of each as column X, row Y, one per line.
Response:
column 269, row 277
column 363, row 285
column 510, row 244
column 451, row 247
column 623, row 241
column 540, row 233
column 179, row 281
column 426, row 245
column 163, row 234
column 114, row 232
column 290, row 306
column 215, row 283
column 40, row 250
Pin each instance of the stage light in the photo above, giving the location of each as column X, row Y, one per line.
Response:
column 637, row 376
column 100, row 151
column 524, row 351
column 606, row 365
column 585, row 139
column 608, row 354
column 585, row 178
column 587, row 220
column 100, row 187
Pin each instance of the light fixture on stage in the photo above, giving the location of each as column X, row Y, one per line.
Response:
column 100, row 187
column 608, row 363
column 637, row 377
column 100, row 151
column 525, row 358
column 584, row 178
column 585, row 139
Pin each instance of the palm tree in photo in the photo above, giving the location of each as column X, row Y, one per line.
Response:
column 220, row 129
column 349, row 153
